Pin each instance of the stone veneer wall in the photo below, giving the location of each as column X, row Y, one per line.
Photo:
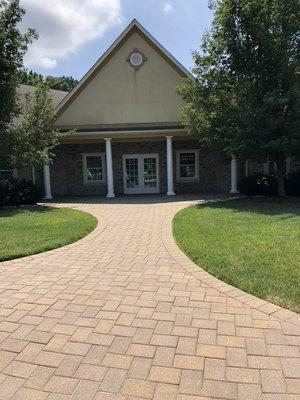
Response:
column 67, row 169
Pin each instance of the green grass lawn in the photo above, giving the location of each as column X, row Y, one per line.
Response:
column 251, row 244
column 29, row 231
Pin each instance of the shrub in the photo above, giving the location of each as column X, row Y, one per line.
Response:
column 259, row 185
column 16, row 192
column 292, row 184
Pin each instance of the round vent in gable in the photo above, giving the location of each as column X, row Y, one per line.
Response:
column 136, row 59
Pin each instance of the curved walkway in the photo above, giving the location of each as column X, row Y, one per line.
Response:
column 124, row 315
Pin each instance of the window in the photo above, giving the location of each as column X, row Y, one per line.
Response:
column 93, row 168
column 187, row 162
column 6, row 174
column 270, row 168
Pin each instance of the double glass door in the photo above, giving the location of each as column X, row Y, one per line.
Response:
column 141, row 173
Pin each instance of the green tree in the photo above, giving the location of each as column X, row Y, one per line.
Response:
column 29, row 77
column 13, row 46
column 66, row 83
column 245, row 98
column 35, row 138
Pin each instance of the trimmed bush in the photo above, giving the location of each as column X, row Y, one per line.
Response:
column 292, row 184
column 15, row 192
column 259, row 185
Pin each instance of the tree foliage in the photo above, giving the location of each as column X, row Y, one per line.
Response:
column 245, row 98
column 28, row 77
column 35, row 138
column 13, row 46
column 27, row 136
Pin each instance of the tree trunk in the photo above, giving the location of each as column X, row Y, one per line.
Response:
column 280, row 174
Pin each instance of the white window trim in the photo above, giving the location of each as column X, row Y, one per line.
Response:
column 187, row 179
column 84, row 168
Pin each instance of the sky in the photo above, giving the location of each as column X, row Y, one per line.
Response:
column 73, row 34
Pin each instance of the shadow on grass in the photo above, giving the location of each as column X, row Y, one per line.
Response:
column 7, row 212
column 286, row 207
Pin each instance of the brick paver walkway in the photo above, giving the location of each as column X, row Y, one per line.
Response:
column 124, row 315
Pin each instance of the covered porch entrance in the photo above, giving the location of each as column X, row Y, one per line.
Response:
column 141, row 173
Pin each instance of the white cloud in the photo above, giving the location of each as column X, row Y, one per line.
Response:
column 65, row 25
column 168, row 8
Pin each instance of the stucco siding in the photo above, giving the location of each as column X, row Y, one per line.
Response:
column 119, row 94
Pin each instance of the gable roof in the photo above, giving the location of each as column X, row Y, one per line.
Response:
column 133, row 26
column 27, row 91
column 57, row 95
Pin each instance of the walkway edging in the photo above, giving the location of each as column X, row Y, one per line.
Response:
column 237, row 294
column 98, row 230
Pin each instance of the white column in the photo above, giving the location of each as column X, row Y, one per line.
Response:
column 47, row 183
column 288, row 165
column 234, row 188
column 109, row 169
column 33, row 175
column 170, row 166
column 247, row 168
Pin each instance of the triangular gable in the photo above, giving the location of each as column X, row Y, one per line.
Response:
column 133, row 27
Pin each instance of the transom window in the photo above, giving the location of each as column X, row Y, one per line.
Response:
column 187, row 162
column 93, row 168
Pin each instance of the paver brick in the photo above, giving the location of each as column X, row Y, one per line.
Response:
column 165, row 391
column 263, row 362
column 13, row 345
column 85, row 390
column 164, row 375
column 291, row 367
column 293, row 385
column 214, row 369
column 191, row 382
column 76, row 348
column 123, row 315
column 139, row 368
column 141, row 350
column 61, row 385
column 29, row 394
column 256, row 347
column 48, row 359
column 113, row 380
column 90, row 372
column 189, row 362
column 164, row 340
column 248, row 391
column 138, row 388
column 186, row 346
column 117, row 361
column 10, row 386
column 272, row 381
column 210, row 351
column 39, row 377
column 243, row 375
column 164, row 356
column 219, row 389
column 183, row 331
column 19, row 369
column 236, row 357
